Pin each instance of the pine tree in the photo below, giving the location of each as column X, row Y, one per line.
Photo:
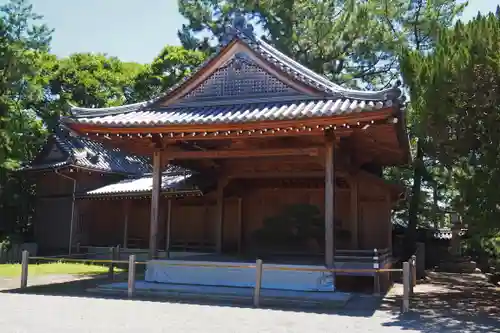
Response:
column 455, row 90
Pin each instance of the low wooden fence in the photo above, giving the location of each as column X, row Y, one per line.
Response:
column 408, row 271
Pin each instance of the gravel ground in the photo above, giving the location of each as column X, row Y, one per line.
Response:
column 447, row 303
column 38, row 313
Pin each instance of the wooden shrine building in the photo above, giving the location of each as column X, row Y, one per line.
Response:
column 252, row 153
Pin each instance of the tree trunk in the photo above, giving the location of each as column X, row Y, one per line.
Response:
column 435, row 207
column 418, row 172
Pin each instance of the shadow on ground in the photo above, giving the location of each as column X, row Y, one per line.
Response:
column 452, row 303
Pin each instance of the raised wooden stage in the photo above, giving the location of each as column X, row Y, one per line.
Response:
column 295, row 273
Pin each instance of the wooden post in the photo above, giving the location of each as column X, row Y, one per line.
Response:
column 126, row 209
column 168, row 236
column 118, row 254
column 354, row 213
column 389, row 221
column 329, row 202
column 413, row 267
column 258, row 283
column 405, row 307
column 155, row 202
column 219, row 223
column 111, row 264
column 376, row 276
column 24, row 268
column 131, row 275
column 239, row 224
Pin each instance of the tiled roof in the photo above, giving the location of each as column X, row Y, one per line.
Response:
column 239, row 113
column 338, row 99
column 176, row 183
column 82, row 152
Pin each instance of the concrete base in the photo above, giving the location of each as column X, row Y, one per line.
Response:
column 238, row 274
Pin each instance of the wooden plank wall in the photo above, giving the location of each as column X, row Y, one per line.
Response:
column 193, row 219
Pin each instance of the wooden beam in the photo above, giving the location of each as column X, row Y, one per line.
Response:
column 155, row 202
column 214, row 154
column 277, row 174
column 329, row 201
column 354, row 213
column 284, row 174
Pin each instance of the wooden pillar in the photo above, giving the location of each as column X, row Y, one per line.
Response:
column 155, row 205
column 219, row 223
column 389, row 221
column 126, row 212
column 169, row 226
column 239, row 224
column 329, row 201
column 219, row 218
column 354, row 212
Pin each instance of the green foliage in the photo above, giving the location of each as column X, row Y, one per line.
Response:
column 23, row 47
column 93, row 80
column 351, row 42
column 169, row 67
column 456, row 92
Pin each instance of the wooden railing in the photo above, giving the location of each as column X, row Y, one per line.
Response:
column 258, row 266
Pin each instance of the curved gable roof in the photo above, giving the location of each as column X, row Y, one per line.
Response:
column 166, row 108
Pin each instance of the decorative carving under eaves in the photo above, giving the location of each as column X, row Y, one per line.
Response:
column 239, row 78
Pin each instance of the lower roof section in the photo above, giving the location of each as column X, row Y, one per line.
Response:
column 172, row 184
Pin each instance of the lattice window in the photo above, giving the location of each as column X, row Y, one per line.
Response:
column 240, row 77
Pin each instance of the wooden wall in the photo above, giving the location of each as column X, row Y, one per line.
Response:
column 194, row 218
column 53, row 206
column 375, row 227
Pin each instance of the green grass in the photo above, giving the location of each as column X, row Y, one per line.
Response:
column 13, row 270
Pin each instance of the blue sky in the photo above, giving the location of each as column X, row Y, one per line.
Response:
column 132, row 30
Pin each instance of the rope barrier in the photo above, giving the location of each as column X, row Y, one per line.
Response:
column 107, row 261
column 66, row 257
column 207, row 265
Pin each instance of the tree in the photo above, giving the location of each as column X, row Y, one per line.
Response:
column 23, row 47
column 456, row 92
column 93, row 80
column 330, row 36
column 169, row 67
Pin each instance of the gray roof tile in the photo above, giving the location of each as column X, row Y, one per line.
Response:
column 82, row 152
column 240, row 113
column 171, row 182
